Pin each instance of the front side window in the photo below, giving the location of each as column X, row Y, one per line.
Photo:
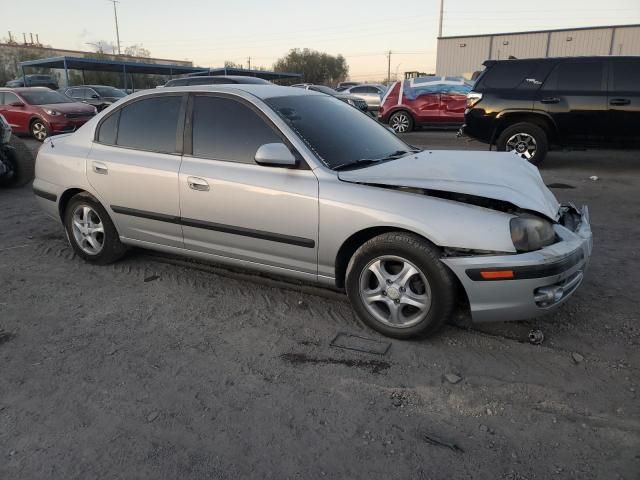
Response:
column 225, row 129
column 626, row 77
column 10, row 98
column 44, row 97
column 336, row 132
column 149, row 124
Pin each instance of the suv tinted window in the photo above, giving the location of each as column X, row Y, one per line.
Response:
column 577, row 76
column 626, row 76
column 178, row 82
column 507, row 74
column 9, row 98
column 150, row 124
column 224, row 129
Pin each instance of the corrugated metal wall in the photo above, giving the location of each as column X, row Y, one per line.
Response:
column 464, row 55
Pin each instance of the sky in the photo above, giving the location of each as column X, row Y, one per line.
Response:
column 210, row 32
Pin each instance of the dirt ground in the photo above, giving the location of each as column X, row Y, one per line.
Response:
column 157, row 367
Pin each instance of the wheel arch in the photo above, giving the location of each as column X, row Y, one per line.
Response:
column 66, row 197
column 355, row 241
column 511, row 117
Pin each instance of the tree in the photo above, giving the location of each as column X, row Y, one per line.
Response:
column 316, row 67
column 137, row 51
column 230, row 64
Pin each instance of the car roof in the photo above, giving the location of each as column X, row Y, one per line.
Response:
column 25, row 89
column 260, row 91
column 556, row 59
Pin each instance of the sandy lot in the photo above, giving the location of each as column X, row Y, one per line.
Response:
column 157, row 367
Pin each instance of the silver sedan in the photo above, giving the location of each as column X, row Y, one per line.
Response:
column 297, row 183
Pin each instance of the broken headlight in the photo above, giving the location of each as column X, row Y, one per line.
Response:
column 530, row 233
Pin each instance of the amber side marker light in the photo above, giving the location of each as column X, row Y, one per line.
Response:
column 496, row 274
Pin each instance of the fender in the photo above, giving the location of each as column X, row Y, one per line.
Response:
column 504, row 114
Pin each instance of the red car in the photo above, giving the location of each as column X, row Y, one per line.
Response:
column 42, row 112
column 425, row 101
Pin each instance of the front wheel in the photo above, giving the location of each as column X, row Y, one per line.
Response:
column 398, row 286
column 39, row 130
column 526, row 139
column 401, row 122
column 91, row 232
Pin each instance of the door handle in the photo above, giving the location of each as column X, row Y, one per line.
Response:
column 550, row 100
column 100, row 168
column 619, row 101
column 197, row 183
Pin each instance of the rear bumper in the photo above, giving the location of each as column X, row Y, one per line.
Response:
column 67, row 125
column 478, row 125
column 542, row 280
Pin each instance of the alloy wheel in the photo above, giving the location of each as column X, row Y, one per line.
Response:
column 523, row 144
column 395, row 292
column 88, row 230
column 400, row 122
column 39, row 131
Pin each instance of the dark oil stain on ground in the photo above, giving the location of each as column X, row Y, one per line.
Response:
column 5, row 336
column 375, row 366
column 560, row 185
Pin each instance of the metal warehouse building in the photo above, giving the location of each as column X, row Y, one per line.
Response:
column 462, row 55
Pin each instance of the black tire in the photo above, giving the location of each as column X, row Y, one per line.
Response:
column 525, row 129
column 39, row 130
column 399, row 120
column 426, row 258
column 22, row 161
column 112, row 249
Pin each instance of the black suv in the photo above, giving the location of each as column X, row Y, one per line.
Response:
column 528, row 105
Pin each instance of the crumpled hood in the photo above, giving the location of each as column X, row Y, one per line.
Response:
column 495, row 175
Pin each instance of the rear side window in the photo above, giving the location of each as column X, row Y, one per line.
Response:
column 109, row 129
column 9, row 98
column 576, row 77
column 626, row 77
column 507, row 74
column 224, row 129
column 149, row 124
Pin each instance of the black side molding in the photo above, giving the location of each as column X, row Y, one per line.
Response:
column 46, row 195
column 530, row 271
column 218, row 227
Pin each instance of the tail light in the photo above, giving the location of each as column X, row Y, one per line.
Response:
column 473, row 98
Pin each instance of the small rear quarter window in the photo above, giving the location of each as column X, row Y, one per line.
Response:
column 507, row 74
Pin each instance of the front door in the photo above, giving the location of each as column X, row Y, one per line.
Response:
column 17, row 117
column 234, row 208
column 624, row 101
column 574, row 95
column 134, row 165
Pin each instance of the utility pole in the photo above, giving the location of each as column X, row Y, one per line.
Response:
column 441, row 15
column 388, row 67
column 115, row 14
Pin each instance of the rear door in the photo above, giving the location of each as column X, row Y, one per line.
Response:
column 133, row 166
column 234, row 208
column 623, row 99
column 574, row 95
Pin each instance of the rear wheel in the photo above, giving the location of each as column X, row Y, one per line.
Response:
column 397, row 285
column 401, row 122
column 20, row 164
column 526, row 139
column 39, row 130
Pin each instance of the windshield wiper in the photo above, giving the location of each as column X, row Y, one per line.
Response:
column 368, row 161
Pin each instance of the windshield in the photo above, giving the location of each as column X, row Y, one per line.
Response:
column 323, row 89
column 44, row 97
column 336, row 132
column 109, row 92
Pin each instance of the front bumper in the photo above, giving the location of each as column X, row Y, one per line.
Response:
column 542, row 280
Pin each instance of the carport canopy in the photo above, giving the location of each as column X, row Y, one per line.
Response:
column 94, row 64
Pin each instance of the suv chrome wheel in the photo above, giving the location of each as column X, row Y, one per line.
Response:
column 395, row 292
column 523, row 144
column 88, row 231
column 400, row 122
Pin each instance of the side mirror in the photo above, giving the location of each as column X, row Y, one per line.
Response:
column 16, row 104
column 94, row 96
column 275, row 155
